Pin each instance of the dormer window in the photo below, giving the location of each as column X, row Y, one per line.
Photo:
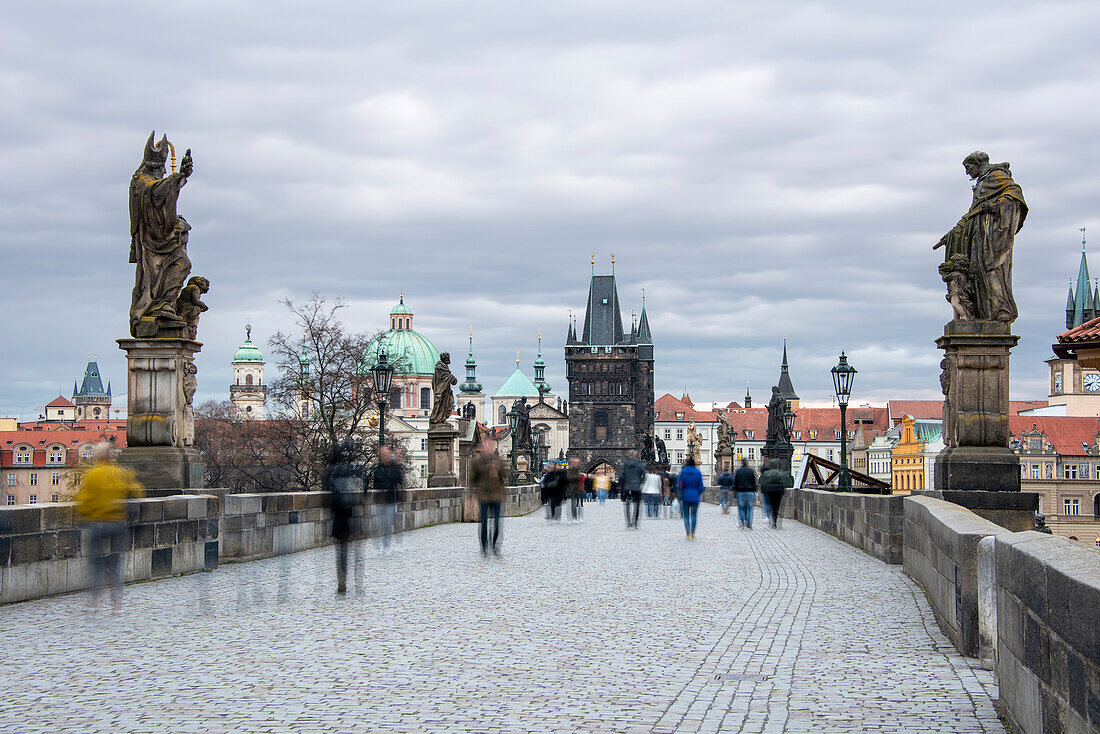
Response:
column 679, row 416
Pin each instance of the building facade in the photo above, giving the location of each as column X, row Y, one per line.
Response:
column 38, row 458
column 610, row 374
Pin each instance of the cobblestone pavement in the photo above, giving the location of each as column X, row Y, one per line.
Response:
column 579, row 628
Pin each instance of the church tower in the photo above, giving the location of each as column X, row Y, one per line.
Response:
column 92, row 401
column 786, row 387
column 470, row 389
column 1075, row 390
column 610, row 377
column 248, row 391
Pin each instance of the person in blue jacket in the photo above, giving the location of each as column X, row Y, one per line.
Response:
column 690, row 484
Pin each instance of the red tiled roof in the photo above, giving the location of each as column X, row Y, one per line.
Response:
column 41, row 438
column 826, row 421
column 929, row 409
column 1086, row 332
column 666, row 407
column 1066, row 433
column 60, row 402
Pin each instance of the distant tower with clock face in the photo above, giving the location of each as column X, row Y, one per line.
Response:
column 1072, row 386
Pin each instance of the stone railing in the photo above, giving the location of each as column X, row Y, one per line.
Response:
column 871, row 522
column 42, row 546
column 43, row 550
column 1026, row 604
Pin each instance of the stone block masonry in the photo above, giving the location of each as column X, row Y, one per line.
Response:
column 42, row 548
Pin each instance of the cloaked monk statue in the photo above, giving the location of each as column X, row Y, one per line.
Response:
column 158, row 245
column 977, row 263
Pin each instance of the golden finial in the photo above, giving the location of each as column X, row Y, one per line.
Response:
column 613, row 258
column 172, row 149
column 643, row 296
column 540, row 333
column 517, row 358
column 592, row 258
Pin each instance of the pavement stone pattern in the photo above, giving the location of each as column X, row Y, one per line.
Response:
column 578, row 628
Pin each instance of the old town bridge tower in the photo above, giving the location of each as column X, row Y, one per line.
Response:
column 610, row 375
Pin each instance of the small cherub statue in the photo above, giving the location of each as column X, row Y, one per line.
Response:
column 189, row 304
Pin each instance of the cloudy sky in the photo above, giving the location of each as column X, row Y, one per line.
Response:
column 761, row 169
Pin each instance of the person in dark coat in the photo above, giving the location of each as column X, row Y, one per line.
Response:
column 554, row 485
column 631, row 477
column 773, row 485
column 344, row 481
column 573, row 487
column 389, row 481
column 725, row 487
column 744, row 489
column 489, row 478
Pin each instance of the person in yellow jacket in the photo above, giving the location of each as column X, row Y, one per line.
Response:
column 101, row 504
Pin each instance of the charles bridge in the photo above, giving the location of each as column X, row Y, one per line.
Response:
column 862, row 613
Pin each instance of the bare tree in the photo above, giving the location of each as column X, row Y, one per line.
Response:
column 241, row 455
column 324, row 393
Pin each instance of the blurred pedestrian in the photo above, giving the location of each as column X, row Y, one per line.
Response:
column 725, row 488
column 101, row 504
column 744, row 489
column 773, row 485
column 631, row 476
column 666, row 495
column 489, row 478
column 345, row 480
column 651, row 493
column 574, row 489
column 602, row 483
column 555, row 493
column 389, row 481
column 690, row 484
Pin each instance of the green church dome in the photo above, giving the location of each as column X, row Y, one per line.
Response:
column 408, row 351
column 401, row 308
column 248, row 352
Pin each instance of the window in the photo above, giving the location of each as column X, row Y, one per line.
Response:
column 752, row 453
column 601, row 425
column 1050, row 471
column 679, row 434
column 738, row 452
column 11, row 499
column 1069, row 506
column 668, row 436
column 502, row 416
column 749, row 434
column 34, row 479
column 1035, row 471
column 423, row 444
column 836, row 435
column 1069, row 471
column 33, row 499
column 55, row 498
column 797, row 435
column 11, row 479
column 813, row 435
column 830, row 455
column 55, row 478
column 679, row 457
column 22, row 456
column 56, row 455
column 425, row 398
column 851, row 435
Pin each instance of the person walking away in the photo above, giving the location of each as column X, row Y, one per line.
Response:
column 666, row 495
column 773, row 485
column 630, row 488
column 651, row 493
column 574, row 489
column 101, row 505
column 489, row 478
column 388, row 480
column 744, row 489
column 603, row 484
column 725, row 487
column 345, row 481
column 690, row 484
column 555, row 492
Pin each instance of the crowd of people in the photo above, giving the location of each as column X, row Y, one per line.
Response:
column 663, row 494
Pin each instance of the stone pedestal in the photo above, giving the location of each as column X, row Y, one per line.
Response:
column 975, row 413
column 441, row 452
column 724, row 461
column 779, row 457
column 160, row 421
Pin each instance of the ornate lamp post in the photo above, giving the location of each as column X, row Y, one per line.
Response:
column 513, row 416
column 382, row 371
column 536, row 450
column 843, row 375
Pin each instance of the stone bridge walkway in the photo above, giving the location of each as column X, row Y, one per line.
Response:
column 580, row 628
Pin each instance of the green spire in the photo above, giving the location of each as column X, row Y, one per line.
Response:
column 540, row 370
column 471, row 385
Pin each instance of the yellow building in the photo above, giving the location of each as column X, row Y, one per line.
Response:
column 913, row 455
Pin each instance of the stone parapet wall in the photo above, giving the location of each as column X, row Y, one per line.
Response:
column 870, row 522
column 1047, row 594
column 941, row 554
column 43, row 550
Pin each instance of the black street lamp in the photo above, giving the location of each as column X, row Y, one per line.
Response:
column 843, row 375
column 382, row 371
column 513, row 417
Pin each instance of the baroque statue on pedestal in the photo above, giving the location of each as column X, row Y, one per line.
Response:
column 723, row 431
column 442, row 381
column 158, row 245
column 777, row 429
column 977, row 263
